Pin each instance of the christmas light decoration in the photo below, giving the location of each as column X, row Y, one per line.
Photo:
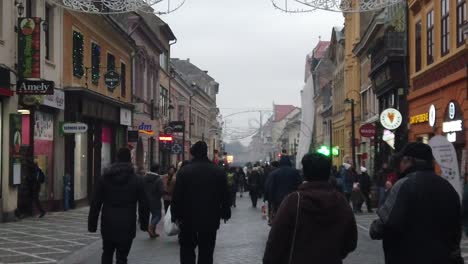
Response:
column 96, row 62
column 78, row 48
column 345, row 6
column 159, row 7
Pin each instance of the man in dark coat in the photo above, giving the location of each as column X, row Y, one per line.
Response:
column 315, row 224
column 117, row 193
column 154, row 189
column 420, row 220
column 365, row 185
column 201, row 199
column 254, row 183
column 381, row 180
column 283, row 181
column 36, row 178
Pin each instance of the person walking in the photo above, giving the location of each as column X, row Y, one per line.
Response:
column 283, row 181
column 314, row 224
column 36, row 178
column 154, row 189
column 233, row 184
column 253, row 182
column 169, row 182
column 242, row 180
column 200, row 201
column 348, row 180
column 380, row 181
column 267, row 196
column 365, row 186
column 420, row 219
column 117, row 193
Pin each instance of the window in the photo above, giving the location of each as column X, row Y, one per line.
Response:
column 430, row 37
column 49, row 32
column 123, row 81
column 418, row 45
column 445, row 27
column 181, row 113
column 29, row 8
column 461, row 16
column 110, row 62
column 1, row 26
column 364, row 104
column 78, row 67
column 163, row 101
column 163, row 61
column 95, row 62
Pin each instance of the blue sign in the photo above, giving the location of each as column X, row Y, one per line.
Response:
column 176, row 148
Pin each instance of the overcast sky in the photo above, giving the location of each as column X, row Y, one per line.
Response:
column 255, row 52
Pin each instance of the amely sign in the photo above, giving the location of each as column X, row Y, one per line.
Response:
column 34, row 87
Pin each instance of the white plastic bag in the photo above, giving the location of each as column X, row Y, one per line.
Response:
column 171, row 229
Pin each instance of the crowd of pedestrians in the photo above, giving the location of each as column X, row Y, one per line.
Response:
column 311, row 212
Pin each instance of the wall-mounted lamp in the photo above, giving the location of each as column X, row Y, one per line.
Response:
column 19, row 5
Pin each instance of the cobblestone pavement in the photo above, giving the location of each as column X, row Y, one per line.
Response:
column 45, row 240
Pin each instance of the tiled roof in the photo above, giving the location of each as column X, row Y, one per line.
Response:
column 281, row 111
column 321, row 49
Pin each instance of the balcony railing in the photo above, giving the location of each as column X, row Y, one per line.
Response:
column 392, row 45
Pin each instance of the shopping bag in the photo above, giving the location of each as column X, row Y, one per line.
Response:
column 264, row 211
column 171, row 229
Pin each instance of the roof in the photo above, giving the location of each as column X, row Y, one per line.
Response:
column 338, row 33
column 321, row 49
column 191, row 74
column 281, row 111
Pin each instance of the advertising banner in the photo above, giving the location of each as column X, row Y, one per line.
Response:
column 29, row 47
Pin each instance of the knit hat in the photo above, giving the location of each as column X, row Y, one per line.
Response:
column 124, row 155
column 199, row 150
column 417, row 150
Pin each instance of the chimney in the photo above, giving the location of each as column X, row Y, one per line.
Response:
column 206, row 72
column 188, row 59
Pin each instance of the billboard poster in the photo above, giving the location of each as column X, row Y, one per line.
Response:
column 29, row 47
column 15, row 148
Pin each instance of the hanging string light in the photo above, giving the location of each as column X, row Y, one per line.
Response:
column 160, row 7
column 289, row 6
column 342, row 6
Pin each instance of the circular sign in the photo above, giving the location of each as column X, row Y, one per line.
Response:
column 112, row 79
column 367, row 131
column 451, row 110
column 391, row 118
column 27, row 26
column 432, row 116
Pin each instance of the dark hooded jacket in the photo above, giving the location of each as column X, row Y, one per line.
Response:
column 326, row 228
column 154, row 189
column 117, row 193
column 420, row 220
column 283, row 181
column 201, row 196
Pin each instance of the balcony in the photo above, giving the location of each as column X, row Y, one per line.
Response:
column 390, row 47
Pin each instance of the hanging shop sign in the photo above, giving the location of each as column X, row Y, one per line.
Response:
column 73, row 128
column 125, row 117
column 418, row 119
column 389, row 138
column 145, row 129
column 132, row 136
column 453, row 123
column 176, row 148
column 112, row 79
column 432, row 116
column 177, row 126
column 391, row 118
column 446, row 156
column 55, row 100
column 34, row 87
column 165, row 142
column 29, row 47
column 367, row 130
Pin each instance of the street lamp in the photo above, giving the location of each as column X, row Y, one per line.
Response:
column 353, row 132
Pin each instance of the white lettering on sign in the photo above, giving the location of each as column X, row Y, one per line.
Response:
column 452, row 126
column 452, row 137
column 72, row 128
column 34, row 87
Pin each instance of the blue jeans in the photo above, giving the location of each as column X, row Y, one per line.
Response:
column 382, row 195
column 156, row 217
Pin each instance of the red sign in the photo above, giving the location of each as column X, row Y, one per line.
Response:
column 367, row 130
column 165, row 138
column 29, row 47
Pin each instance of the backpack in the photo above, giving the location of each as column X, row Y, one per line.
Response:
column 230, row 179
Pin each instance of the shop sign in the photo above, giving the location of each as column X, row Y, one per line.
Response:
column 417, row 119
column 145, row 129
column 73, row 128
column 389, row 138
column 34, row 87
column 55, row 100
column 176, row 148
column 112, row 79
column 432, row 116
column 391, row 118
column 177, row 126
column 29, row 47
column 125, row 117
column 367, row 130
column 453, row 125
column 15, row 147
column 446, row 156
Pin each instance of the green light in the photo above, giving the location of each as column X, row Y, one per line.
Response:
column 324, row 150
column 335, row 151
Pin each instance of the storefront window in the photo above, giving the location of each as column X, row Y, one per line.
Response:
column 44, row 148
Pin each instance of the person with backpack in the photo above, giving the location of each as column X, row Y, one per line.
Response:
column 154, row 189
column 36, row 179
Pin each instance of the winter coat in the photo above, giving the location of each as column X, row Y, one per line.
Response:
column 233, row 181
column 348, row 179
column 420, row 220
column 201, row 196
column 283, row 181
column 465, row 208
column 365, row 182
column 381, row 178
column 326, row 227
column 169, row 187
column 154, row 190
column 267, row 195
column 117, row 193
column 253, row 180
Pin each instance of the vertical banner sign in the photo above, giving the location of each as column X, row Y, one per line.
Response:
column 29, row 47
column 15, row 147
column 446, row 156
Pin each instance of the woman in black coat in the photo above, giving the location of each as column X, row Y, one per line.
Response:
column 117, row 193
